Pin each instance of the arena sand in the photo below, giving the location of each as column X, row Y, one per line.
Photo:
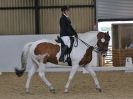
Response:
column 115, row 85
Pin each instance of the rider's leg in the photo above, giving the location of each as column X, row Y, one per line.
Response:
column 68, row 60
column 66, row 40
column 71, row 44
column 63, row 51
column 64, row 48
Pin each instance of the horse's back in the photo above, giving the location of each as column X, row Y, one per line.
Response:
column 45, row 49
column 36, row 43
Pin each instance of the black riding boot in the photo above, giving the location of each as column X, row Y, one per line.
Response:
column 63, row 52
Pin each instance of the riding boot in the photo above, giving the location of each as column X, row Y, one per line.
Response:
column 63, row 52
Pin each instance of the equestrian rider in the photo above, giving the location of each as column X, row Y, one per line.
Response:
column 67, row 33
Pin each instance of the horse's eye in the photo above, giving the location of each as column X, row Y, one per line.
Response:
column 103, row 40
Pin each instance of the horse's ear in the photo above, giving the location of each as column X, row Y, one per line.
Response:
column 99, row 35
column 107, row 32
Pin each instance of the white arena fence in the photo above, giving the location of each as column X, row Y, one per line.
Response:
column 11, row 48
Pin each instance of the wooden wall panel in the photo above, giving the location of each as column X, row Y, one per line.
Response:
column 64, row 2
column 22, row 21
column 82, row 18
column 16, row 22
column 16, row 3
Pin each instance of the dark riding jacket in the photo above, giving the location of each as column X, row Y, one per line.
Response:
column 66, row 28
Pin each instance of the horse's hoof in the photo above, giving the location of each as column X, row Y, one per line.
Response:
column 27, row 91
column 52, row 90
column 99, row 89
column 66, row 91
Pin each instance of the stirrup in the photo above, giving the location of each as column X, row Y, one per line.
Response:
column 61, row 60
column 69, row 61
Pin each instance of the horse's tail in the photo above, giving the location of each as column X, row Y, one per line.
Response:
column 24, row 58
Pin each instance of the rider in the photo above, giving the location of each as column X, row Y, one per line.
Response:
column 67, row 32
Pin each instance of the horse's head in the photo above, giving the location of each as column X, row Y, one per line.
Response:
column 103, row 42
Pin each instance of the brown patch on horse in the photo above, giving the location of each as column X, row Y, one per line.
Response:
column 87, row 56
column 49, row 50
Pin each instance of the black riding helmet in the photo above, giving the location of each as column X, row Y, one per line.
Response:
column 65, row 8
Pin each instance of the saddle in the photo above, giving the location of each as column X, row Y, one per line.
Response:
column 65, row 50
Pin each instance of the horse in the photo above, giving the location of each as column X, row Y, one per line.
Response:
column 43, row 52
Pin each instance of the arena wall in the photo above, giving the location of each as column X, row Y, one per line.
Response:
column 11, row 47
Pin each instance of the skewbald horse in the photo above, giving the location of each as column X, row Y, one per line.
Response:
column 44, row 51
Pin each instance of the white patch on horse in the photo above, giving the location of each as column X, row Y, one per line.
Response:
column 103, row 40
column 42, row 57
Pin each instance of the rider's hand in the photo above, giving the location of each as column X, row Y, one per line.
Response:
column 76, row 36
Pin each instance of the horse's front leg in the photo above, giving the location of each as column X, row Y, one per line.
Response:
column 93, row 74
column 71, row 75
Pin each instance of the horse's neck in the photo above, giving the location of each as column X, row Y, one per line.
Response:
column 79, row 51
column 89, row 38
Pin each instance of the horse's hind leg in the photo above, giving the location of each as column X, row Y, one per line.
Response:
column 93, row 74
column 72, row 73
column 30, row 74
column 42, row 69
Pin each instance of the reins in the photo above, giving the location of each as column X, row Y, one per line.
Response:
column 95, row 48
column 84, row 42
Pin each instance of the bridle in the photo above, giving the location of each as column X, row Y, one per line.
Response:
column 95, row 48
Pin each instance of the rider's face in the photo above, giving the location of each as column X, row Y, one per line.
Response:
column 67, row 12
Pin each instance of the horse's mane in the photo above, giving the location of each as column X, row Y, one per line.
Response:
column 88, row 36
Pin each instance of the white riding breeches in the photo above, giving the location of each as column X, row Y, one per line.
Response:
column 66, row 40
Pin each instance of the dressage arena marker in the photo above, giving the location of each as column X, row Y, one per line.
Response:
column 128, row 63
